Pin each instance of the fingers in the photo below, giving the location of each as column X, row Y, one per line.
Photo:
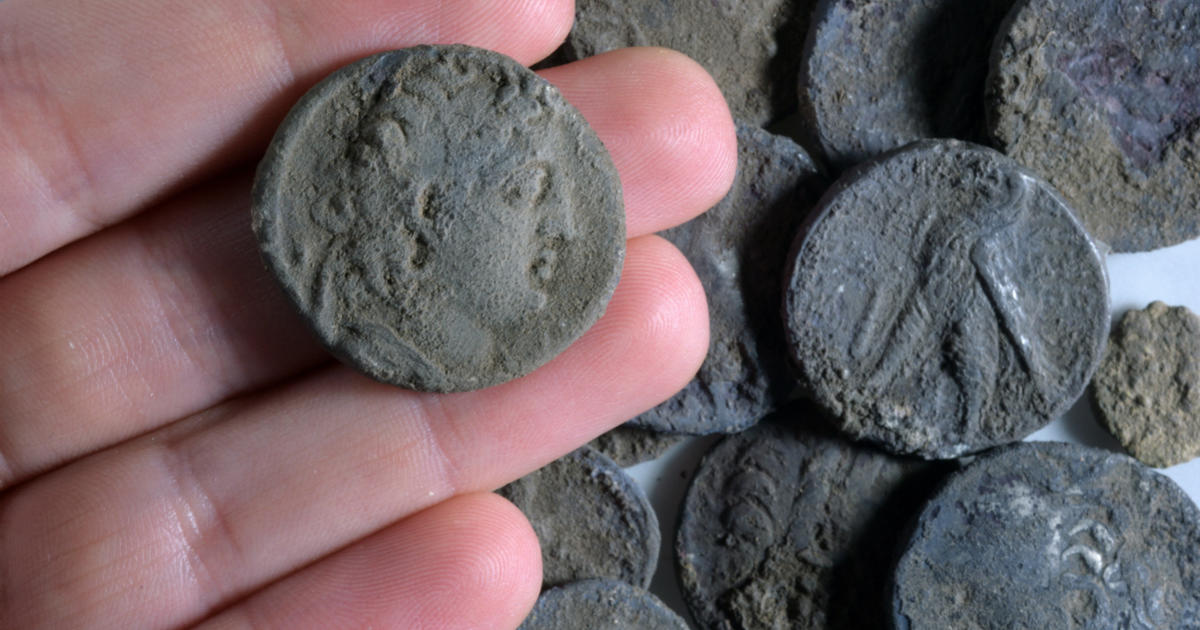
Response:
column 209, row 509
column 469, row 562
column 173, row 312
column 138, row 326
column 107, row 105
column 674, row 163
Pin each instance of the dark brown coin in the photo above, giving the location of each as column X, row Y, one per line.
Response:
column 443, row 218
column 629, row 445
column 945, row 300
column 1102, row 97
column 784, row 528
column 738, row 248
column 1048, row 535
column 591, row 520
column 600, row 605
column 1147, row 389
column 877, row 75
column 750, row 47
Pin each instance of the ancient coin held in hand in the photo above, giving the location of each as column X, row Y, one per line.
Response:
column 1049, row 535
column 945, row 300
column 878, row 75
column 738, row 249
column 786, row 528
column 443, row 218
column 591, row 519
column 750, row 47
column 600, row 605
column 1147, row 389
column 1102, row 97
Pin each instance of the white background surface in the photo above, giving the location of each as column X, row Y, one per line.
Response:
column 1171, row 275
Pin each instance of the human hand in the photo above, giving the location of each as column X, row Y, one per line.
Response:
column 175, row 448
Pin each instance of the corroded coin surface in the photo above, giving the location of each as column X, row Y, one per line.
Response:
column 877, row 75
column 750, row 47
column 1147, row 389
column 1102, row 97
column 787, row 528
column 945, row 300
column 738, row 249
column 443, row 218
column 591, row 519
column 1049, row 535
column 629, row 445
column 600, row 605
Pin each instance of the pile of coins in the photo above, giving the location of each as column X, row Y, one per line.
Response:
column 903, row 301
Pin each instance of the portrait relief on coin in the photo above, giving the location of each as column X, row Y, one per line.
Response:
column 944, row 300
column 1103, row 99
column 442, row 216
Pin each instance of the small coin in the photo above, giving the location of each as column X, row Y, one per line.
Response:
column 1147, row 389
column 1048, row 535
column 591, row 519
column 629, row 445
column 600, row 605
column 787, row 528
column 877, row 75
column 944, row 300
column 750, row 47
column 738, row 249
column 441, row 216
column 1102, row 97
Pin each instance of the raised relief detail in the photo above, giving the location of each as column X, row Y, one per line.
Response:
column 966, row 294
column 1094, row 572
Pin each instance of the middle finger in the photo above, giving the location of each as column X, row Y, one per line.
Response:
column 169, row 527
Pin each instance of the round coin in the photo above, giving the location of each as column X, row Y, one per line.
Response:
column 784, row 528
column 877, row 75
column 1102, row 97
column 944, row 300
column 1147, row 389
column 1048, row 535
column 750, row 47
column 591, row 519
column 738, row 248
column 600, row 605
column 441, row 216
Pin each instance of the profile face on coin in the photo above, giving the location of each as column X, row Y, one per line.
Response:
column 442, row 216
column 1049, row 535
column 1102, row 97
column 944, row 300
